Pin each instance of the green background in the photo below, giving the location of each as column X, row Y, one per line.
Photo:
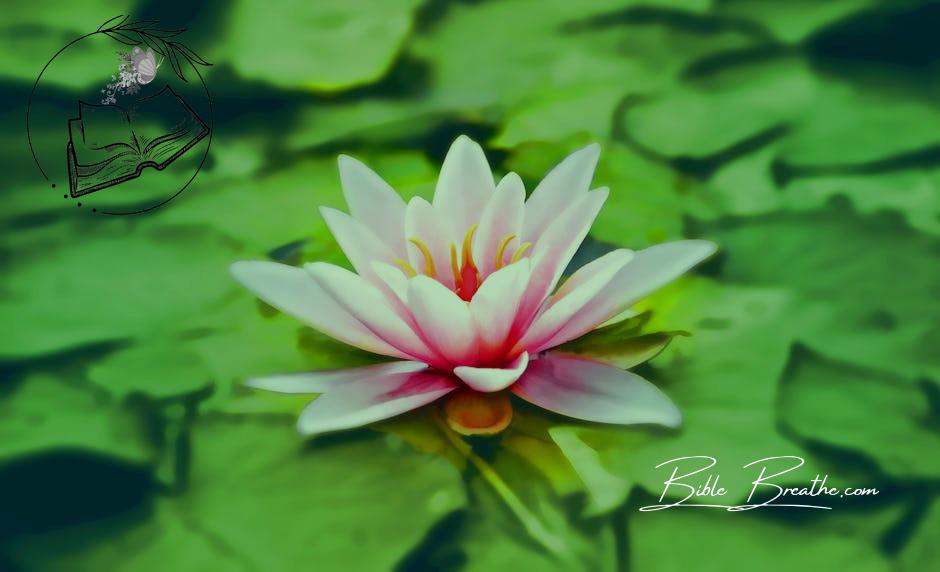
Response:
column 801, row 136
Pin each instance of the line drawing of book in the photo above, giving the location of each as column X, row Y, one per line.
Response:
column 110, row 144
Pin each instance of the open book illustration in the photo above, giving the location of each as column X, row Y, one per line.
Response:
column 110, row 144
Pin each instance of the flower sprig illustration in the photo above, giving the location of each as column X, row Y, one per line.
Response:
column 160, row 41
column 124, row 83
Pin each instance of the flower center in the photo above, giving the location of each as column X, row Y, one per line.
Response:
column 466, row 273
column 467, row 279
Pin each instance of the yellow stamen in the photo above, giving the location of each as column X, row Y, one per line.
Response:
column 453, row 265
column 429, row 269
column 517, row 255
column 408, row 269
column 501, row 249
column 468, row 247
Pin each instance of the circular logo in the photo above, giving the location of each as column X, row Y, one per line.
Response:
column 119, row 121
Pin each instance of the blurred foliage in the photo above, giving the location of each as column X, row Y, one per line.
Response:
column 801, row 136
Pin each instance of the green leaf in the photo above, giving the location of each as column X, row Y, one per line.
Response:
column 718, row 111
column 367, row 123
column 748, row 187
column 915, row 194
column 153, row 367
column 605, row 490
column 846, row 125
column 824, row 125
column 745, row 187
column 535, row 49
column 260, row 214
column 788, row 21
column 743, row 538
column 813, row 404
column 143, row 541
column 44, row 413
column 313, row 492
column 314, row 46
column 489, row 546
column 863, row 291
column 922, row 548
column 63, row 290
column 259, row 498
column 494, row 539
column 30, row 34
column 556, row 116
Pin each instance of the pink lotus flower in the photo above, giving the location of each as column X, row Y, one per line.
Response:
column 463, row 291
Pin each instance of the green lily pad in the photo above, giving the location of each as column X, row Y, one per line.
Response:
column 914, row 193
column 313, row 46
column 862, row 290
column 748, row 187
column 535, row 46
column 813, row 399
column 323, row 490
column 156, row 368
column 154, row 540
column 922, row 548
column 258, row 498
column 716, row 112
column 367, row 123
column 846, row 125
column 261, row 214
column 745, row 187
column 495, row 540
column 44, row 413
column 743, row 539
column 33, row 33
column 605, row 490
column 788, row 21
column 558, row 116
column 487, row 546
column 63, row 289
column 828, row 124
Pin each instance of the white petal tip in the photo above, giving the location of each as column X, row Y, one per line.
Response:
column 707, row 247
column 671, row 419
column 317, row 267
column 513, row 178
column 306, row 430
column 327, row 212
column 243, row 270
column 597, row 197
column 277, row 384
column 348, row 161
column 694, row 251
column 487, row 380
column 416, row 200
column 658, row 411
column 593, row 150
